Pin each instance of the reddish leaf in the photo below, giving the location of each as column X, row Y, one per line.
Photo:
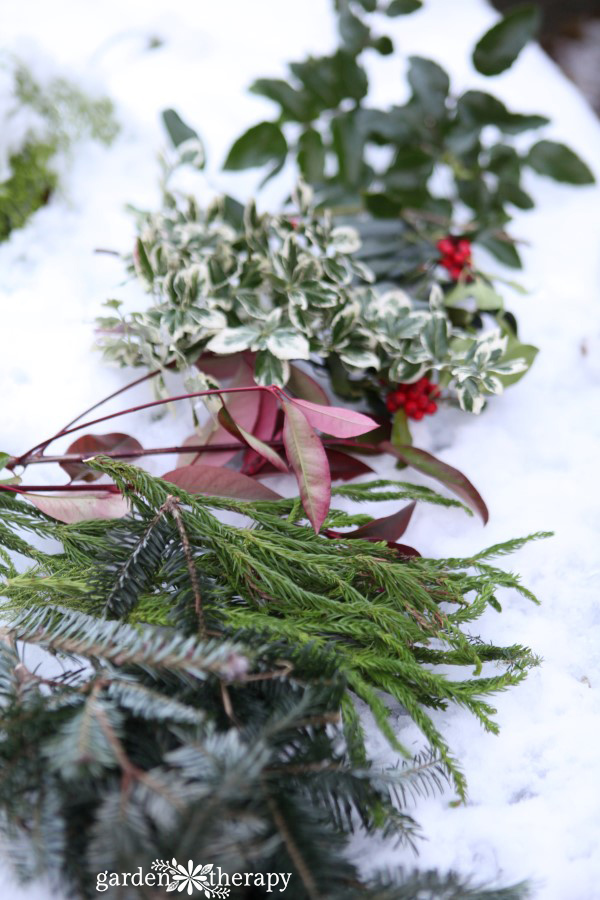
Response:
column 308, row 459
column 76, row 507
column 335, row 420
column 344, row 467
column 401, row 549
column 243, row 409
column 253, row 442
column 92, row 444
column 305, row 386
column 388, row 528
column 220, row 367
column 218, row 482
column 452, row 478
column 263, row 430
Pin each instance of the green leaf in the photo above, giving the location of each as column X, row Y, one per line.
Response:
column 270, row 370
column 331, row 79
column 430, row 84
column 261, row 144
column 478, row 108
column 516, row 350
column 500, row 46
column 403, row 7
column 348, row 143
column 177, row 130
column 311, row 156
column 142, row 262
column 504, row 251
column 559, row 162
column 295, row 104
column 400, row 430
column 4, row 458
column 355, row 34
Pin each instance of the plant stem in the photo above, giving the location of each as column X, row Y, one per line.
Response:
column 123, row 412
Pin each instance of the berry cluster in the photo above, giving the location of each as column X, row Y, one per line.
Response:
column 456, row 255
column 416, row 399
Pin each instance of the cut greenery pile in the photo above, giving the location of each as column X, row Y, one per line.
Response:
column 216, row 641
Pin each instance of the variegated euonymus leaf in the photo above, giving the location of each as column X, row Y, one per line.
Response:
column 288, row 287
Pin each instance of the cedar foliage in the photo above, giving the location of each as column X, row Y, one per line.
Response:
column 381, row 620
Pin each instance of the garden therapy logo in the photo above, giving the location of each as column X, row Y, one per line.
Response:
column 203, row 879
column 192, row 879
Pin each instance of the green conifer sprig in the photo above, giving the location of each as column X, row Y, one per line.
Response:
column 378, row 618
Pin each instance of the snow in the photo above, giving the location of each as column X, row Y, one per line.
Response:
column 533, row 809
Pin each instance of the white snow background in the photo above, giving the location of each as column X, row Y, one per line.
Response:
column 534, row 807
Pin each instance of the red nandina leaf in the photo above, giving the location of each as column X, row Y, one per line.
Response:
column 76, row 507
column 452, row 478
column 253, row 442
column 219, row 482
column 344, row 466
column 308, row 459
column 335, row 420
column 92, row 444
column 219, row 367
column 387, row 528
column 306, row 387
column 401, row 549
column 263, row 430
column 243, row 409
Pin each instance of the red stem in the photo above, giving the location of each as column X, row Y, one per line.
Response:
column 123, row 412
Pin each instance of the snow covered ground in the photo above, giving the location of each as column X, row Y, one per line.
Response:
column 534, row 809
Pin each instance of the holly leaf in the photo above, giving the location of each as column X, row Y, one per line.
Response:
column 92, row 444
column 499, row 47
column 559, row 162
column 452, row 478
column 71, row 508
column 336, row 420
column 308, row 459
column 215, row 481
column 261, row 144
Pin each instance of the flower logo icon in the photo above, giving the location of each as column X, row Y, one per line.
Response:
column 190, row 879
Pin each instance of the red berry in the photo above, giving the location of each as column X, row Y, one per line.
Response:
column 418, row 415
column 400, row 398
column 431, row 408
column 445, row 246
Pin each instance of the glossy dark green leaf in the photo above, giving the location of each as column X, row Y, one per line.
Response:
column 177, row 130
column 294, row 104
column 430, row 84
column 311, row 156
column 348, row 144
column 331, row 79
column 261, row 144
column 354, row 33
column 559, row 162
column 403, row 7
column 478, row 108
column 504, row 251
column 500, row 46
